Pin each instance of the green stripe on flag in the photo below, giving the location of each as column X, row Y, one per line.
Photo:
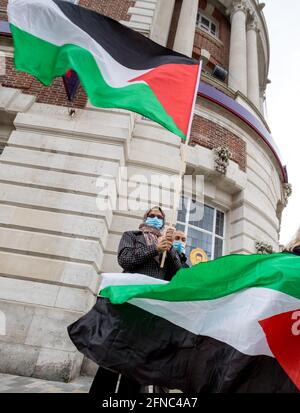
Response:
column 219, row 278
column 46, row 61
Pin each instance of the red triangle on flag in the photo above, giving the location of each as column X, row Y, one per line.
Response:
column 174, row 86
column 283, row 336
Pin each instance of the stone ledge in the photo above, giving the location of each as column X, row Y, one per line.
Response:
column 202, row 161
column 14, row 101
column 140, row 11
column 85, row 126
column 145, row 5
column 140, row 27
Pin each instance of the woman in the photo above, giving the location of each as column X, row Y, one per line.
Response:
column 140, row 252
column 294, row 246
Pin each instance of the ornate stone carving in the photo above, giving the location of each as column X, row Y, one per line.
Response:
column 238, row 5
column 287, row 192
column 263, row 248
column 252, row 23
column 222, row 156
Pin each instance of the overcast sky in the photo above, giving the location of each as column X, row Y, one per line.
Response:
column 283, row 94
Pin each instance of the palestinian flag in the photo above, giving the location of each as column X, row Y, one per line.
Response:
column 229, row 325
column 118, row 67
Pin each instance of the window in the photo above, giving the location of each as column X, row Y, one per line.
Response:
column 207, row 24
column 206, row 232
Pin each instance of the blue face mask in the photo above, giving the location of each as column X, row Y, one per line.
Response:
column 179, row 246
column 154, row 222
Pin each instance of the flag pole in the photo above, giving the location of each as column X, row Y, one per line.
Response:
column 183, row 161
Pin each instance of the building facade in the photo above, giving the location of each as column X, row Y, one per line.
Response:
column 56, row 238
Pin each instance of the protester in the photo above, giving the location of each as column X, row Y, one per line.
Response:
column 294, row 245
column 140, row 252
column 179, row 243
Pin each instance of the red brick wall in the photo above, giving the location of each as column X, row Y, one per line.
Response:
column 3, row 4
column 117, row 9
column 205, row 41
column 210, row 135
column 56, row 94
column 202, row 4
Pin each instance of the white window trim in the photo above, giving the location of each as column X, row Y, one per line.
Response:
column 187, row 225
column 211, row 20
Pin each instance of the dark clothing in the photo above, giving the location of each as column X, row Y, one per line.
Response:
column 106, row 382
column 296, row 250
column 183, row 260
column 135, row 256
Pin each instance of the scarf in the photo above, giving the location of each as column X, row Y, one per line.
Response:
column 151, row 234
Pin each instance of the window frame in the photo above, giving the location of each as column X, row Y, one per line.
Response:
column 187, row 225
column 211, row 21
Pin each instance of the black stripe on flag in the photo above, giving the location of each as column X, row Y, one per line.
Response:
column 128, row 47
column 151, row 350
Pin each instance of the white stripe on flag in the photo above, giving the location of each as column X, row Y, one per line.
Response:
column 45, row 20
column 110, row 279
column 232, row 319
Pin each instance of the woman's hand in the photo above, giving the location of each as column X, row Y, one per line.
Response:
column 163, row 244
column 170, row 233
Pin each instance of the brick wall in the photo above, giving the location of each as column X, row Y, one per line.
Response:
column 56, row 94
column 117, row 9
column 210, row 135
column 3, row 4
column 207, row 42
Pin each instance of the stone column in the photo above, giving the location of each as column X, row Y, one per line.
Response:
column 252, row 63
column 237, row 78
column 162, row 21
column 185, row 35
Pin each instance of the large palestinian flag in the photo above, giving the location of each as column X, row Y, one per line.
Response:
column 118, row 67
column 229, row 325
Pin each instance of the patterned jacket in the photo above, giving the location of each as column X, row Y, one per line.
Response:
column 135, row 256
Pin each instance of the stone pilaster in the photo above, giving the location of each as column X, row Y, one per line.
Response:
column 162, row 21
column 184, row 40
column 237, row 78
column 252, row 63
